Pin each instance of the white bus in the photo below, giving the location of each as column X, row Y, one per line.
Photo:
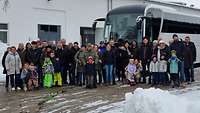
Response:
column 153, row 20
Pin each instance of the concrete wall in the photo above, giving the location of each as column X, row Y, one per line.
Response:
column 23, row 17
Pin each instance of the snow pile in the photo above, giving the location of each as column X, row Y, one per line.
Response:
column 3, row 48
column 158, row 101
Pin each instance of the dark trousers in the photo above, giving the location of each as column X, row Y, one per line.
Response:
column 72, row 74
column 192, row 72
column 175, row 79
column 145, row 73
column 188, row 74
column 155, row 76
column 64, row 74
column 162, row 78
column 80, row 78
column 90, row 76
column 17, row 80
column 40, row 75
column 117, row 71
column 11, row 79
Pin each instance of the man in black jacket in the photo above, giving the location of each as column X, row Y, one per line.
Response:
column 72, row 63
column 178, row 46
column 145, row 57
column 189, row 58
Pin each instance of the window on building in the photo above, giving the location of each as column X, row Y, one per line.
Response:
column 49, row 32
column 3, row 32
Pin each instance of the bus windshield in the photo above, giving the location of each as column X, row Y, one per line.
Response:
column 121, row 26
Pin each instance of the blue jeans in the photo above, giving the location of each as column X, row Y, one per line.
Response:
column 109, row 73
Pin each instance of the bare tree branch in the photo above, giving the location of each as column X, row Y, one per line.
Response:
column 5, row 4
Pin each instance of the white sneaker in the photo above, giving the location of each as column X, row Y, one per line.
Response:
column 25, row 89
column 13, row 89
column 18, row 88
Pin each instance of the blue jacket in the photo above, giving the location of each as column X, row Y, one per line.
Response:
column 173, row 65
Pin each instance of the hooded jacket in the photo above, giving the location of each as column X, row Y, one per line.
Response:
column 13, row 63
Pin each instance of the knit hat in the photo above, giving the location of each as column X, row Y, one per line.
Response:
column 173, row 53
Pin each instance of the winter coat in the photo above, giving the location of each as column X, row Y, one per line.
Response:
column 79, row 58
column 90, row 68
column 3, row 62
column 188, row 56
column 164, row 51
column 56, row 64
column 59, row 53
column 173, row 65
column 134, row 53
column 108, row 57
column 13, row 63
column 162, row 66
column 154, row 66
column 145, row 54
column 72, row 54
column 22, row 55
column 122, row 58
column 48, row 66
column 179, row 48
column 33, row 56
column 193, row 50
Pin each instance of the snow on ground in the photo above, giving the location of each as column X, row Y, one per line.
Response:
column 3, row 47
column 156, row 101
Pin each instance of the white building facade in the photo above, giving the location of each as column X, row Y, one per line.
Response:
column 27, row 20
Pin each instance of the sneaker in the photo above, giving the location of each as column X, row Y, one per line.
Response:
column 18, row 88
column 25, row 89
column 13, row 89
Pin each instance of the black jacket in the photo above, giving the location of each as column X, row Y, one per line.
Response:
column 179, row 48
column 3, row 62
column 145, row 53
column 33, row 56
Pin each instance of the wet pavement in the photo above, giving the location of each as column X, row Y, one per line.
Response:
column 68, row 99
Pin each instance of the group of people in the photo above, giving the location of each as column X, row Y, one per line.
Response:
column 44, row 64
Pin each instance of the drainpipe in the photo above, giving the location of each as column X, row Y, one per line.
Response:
column 108, row 5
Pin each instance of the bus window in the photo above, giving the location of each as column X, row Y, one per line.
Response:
column 152, row 28
column 121, row 26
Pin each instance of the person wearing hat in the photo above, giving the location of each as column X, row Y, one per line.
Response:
column 90, row 60
column 174, row 69
column 178, row 46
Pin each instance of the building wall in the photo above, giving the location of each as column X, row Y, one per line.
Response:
column 23, row 17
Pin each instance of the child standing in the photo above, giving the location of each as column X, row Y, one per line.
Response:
column 48, row 71
column 32, row 77
column 24, row 75
column 173, row 68
column 130, row 72
column 57, row 81
column 138, row 70
column 162, row 70
column 154, row 70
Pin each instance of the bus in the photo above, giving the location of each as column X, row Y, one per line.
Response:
column 153, row 20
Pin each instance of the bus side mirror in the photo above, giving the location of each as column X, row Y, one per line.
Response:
column 139, row 25
column 94, row 26
column 139, row 22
